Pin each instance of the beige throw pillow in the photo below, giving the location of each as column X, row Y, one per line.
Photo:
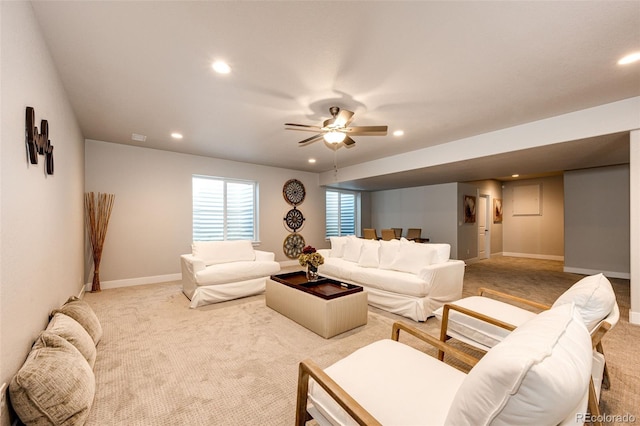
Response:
column 70, row 330
column 80, row 311
column 55, row 385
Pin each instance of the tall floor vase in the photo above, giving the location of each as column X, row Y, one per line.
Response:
column 98, row 211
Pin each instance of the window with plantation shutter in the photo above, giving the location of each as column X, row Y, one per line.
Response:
column 341, row 213
column 224, row 209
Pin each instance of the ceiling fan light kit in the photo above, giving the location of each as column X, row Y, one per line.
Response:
column 334, row 136
column 336, row 130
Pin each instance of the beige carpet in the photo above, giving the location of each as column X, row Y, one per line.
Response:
column 235, row 363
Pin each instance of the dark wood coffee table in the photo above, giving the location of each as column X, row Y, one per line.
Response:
column 325, row 288
column 327, row 307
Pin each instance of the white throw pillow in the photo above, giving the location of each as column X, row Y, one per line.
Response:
column 337, row 246
column 388, row 252
column 369, row 255
column 443, row 251
column 352, row 249
column 593, row 296
column 215, row 252
column 412, row 257
column 537, row 375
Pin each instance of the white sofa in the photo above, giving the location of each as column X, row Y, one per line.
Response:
column 217, row 271
column 400, row 276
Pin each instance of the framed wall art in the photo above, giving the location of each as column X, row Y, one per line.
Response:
column 469, row 206
column 497, row 210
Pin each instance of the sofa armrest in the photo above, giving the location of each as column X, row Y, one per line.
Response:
column 264, row 256
column 445, row 280
column 191, row 264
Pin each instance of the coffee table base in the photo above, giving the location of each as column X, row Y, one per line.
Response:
column 326, row 318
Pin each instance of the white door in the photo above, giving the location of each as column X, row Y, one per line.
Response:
column 482, row 226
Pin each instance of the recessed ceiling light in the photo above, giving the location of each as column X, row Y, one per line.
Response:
column 312, row 160
column 176, row 135
column 221, row 67
column 515, row 175
column 633, row 57
column 398, row 133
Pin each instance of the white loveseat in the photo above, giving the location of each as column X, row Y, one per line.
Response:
column 400, row 276
column 217, row 271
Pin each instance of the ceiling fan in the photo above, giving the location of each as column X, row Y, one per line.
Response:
column 336, row 130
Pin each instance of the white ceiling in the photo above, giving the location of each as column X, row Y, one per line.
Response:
column 440, row 71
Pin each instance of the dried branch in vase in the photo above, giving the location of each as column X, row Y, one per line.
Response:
column 98, row 212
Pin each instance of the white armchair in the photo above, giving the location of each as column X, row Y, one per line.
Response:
column 217, row 271
column 539, row 374
column 482, row 321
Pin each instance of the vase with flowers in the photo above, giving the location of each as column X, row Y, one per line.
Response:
column 311, row 259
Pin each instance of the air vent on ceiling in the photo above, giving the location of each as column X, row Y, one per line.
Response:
column 137, row 137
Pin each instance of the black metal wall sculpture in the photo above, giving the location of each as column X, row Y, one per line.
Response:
column 38, row 143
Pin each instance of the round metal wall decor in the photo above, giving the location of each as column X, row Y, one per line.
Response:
column 294, row 220
column 293, row 192
column 293, row 245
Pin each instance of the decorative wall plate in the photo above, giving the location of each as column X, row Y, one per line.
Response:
column 293, row 220
column 293, row 245
column 293, row 192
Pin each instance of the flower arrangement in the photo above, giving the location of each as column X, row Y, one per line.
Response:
column 310, row 257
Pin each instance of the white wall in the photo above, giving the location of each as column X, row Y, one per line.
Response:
column 432, row 208
column 150, row 224
column 537, row 236
column 41, row 217
column 597, row 221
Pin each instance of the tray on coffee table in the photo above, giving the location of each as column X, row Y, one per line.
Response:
column 325, row 288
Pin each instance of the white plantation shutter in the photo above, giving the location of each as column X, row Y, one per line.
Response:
column 223, row 209
column 340, row 213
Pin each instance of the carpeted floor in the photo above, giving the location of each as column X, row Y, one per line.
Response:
column 235, row 363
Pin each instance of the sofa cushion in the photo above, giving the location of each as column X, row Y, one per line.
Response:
column 369, row 255
column 55, row 385
column 593, row 296
column 411, row 257
column 404, row 283
column 338, row 268
column 337, row 246
column 215, row 252
column 535, row 376
column 406, row 374
column 225, row 273
column 388, row 251
column 70, row 330
column 352, row 249
column 80, row 311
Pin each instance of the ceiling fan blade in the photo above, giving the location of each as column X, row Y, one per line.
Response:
column 368, row 130
column 348, row 142
column 343, row 118
column 311, row 139
column 304, row 129
column 302, row 125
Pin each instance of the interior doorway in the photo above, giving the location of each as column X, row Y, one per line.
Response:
column 484, row 236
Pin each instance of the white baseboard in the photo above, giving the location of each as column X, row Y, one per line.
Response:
column 534, row 256
column 634, row 318
column 609, row 274
column 129, row 282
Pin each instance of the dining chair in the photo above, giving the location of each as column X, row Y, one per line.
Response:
column 397, row 232
column 369, row 234
column 414, row 234
column 388, row 234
